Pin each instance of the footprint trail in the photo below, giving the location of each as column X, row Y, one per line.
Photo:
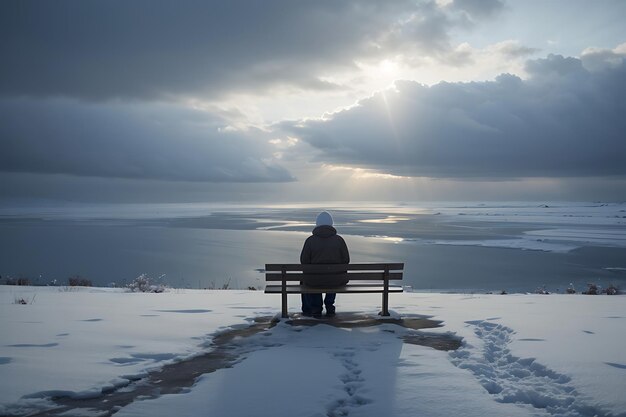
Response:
column 524, row 381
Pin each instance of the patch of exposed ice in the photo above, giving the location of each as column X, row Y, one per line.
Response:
column 523, row 243
column 582, row 236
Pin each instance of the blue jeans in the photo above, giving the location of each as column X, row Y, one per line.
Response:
column 312, row 303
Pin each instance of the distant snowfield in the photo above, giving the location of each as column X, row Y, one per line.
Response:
column 557, row 227
column 522, row 355
column 524, row 243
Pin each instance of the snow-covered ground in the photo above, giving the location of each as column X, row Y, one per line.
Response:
column 521, row 355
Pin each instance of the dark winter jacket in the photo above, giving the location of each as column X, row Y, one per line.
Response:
column 325, row 246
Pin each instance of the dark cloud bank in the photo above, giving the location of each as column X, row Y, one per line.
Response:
column 140, row 141
column 152, row 49
column 564, row 121
column 149, row 49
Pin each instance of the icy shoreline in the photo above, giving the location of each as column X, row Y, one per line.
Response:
column 204, row 246
column 521, row 354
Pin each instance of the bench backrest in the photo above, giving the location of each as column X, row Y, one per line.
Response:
column 356, row 272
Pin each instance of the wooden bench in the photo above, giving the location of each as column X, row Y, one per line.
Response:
column 286, row 274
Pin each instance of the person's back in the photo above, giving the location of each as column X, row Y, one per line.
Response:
column 324, row 246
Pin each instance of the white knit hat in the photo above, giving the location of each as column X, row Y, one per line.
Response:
column 324, row 219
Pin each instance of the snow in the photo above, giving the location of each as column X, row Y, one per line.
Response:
column 583, row 213
column 552, row 227
column 523, row 242
column 522, row 355
column 556, row 227
column 583, row 236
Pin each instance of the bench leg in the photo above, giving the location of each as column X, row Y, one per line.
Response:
column 284, row 305
column 385, row 311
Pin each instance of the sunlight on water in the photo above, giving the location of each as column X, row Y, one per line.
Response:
column 391, row 239
column 386, row 220
column 283, row 224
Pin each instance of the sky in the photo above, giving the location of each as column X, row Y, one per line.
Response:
column 312, row 101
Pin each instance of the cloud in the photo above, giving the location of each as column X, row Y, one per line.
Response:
column 564, row 121
column 556, row 67
column 158, row 49
column 139, row 141
column 425, row 30
column 479, row 9
column 598, row 59
column 513, row 49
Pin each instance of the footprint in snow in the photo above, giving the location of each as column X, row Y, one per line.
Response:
column 190, row 311
column 352, row 381
column 142, row 357
column 511, row 379
column 45, row 345
column 126, row 361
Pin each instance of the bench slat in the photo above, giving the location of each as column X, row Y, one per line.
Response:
column 356, row 276
column 334, row 267
column 367, row 272
column 352, row 288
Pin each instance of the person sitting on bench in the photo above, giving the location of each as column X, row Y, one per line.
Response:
column 324, row 246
